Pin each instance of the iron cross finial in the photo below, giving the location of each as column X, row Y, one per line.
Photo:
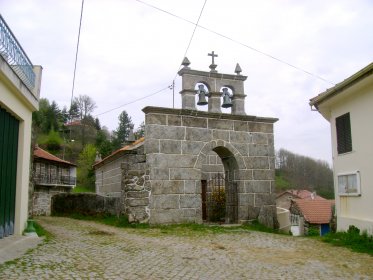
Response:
column 213, row 56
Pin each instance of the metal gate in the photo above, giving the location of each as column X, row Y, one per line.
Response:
column 8, row 171
column 221, row 199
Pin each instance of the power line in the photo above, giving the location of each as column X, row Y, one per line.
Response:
column 133, row 101
column 238, row 42
column 76, row 53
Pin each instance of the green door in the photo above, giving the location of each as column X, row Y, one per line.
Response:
column 8, row 171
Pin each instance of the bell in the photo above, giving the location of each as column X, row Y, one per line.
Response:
column 227, row 103
column 201, row 96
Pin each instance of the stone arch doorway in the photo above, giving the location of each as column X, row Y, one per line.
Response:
column 218, row 186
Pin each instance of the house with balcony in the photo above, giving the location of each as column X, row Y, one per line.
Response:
column 19, row 96
column 348, row 107
column 51, row 175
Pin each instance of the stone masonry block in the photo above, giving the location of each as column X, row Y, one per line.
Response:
column 189, row 186
column 167, row 187
column 159, row 174
column 189, row 212
column 197, row 134
column 189, row 121
column 260, row 127
column 151, row 146
column 170, row 146
column 259, row 138
column 242, row 148
column 169, row 216
column 137, row 202
column 155, row 119
column 265, row 199
column 253, row 212
column 239, row 137
column 165, row 132
column 191, row 147
column 240, row 126
column 258, row 150
column 220, row 134
column 245, row 199
column 257, row 162
column 165, row 201
column 220, row 124
column 139, row 194
column 173, row 120
column 185, row 174
column 243, row 174
column 264, row 174
column 165, row 160
column 257, row 187
column 190, row 201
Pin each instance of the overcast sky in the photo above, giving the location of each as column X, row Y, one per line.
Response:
column 129, row 50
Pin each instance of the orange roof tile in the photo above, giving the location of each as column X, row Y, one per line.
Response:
column 315, row 211
column 40, row 153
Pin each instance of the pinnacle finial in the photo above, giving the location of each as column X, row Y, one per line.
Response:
column 238, row 69
column 185, row 62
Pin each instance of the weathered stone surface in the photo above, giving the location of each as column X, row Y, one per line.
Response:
column 242, row 148
column 189, row 212
column 253, row 212
column 169, row 201
column 240, row 137
column 167, row 160
column 265, row 174
column 240, row 126
column 193, row 121
column 138, row 194
column 155, row 119
column 219, row 124
column 173, row 120
column 256, row 162
column 220, row 134
column 258, row 150
column 257, row 187
column 243, row 175
column 264, row 199
column 166, row 216
column 259, row 138
column 167, row 187
column 159, row 174
column 190, row 201
column 184, row 174
column 170, row 146
column 137, row 202
column 267, row 216
column 197, row 134
column 191, row 147
column 165, row 132
column 260, row 127
column 151, row 146
column 245, row 199
column 189, row 186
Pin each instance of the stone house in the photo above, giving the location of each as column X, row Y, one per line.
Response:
column 51, row 175
column 284, row 198
column 172, row 176
column 348, row 108
column 306, row 214
column 20, row 84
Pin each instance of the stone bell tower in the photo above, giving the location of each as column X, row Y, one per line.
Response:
column 215, row 83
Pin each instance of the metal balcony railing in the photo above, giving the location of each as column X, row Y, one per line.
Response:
column 12, row 52
column 41, row 179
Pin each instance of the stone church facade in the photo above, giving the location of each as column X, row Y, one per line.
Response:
column 167, row 179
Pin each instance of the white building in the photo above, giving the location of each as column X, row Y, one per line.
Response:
column 19, row 97
column 348, row 107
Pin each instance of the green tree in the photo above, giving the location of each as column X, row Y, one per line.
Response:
column 103, row 143
column 85, row 172
column 122, row 132
column 140, row 131
column 52, row 141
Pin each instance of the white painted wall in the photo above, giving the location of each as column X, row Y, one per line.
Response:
column 358, row 101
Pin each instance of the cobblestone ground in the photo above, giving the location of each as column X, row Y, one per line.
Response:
column 86, row 250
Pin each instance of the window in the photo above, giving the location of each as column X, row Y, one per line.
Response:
column 349, row 184
column 344, row 141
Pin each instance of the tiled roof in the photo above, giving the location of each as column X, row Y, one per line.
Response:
column 40, row 153
column 302, row 194
column 113, row 155
column 315, row 211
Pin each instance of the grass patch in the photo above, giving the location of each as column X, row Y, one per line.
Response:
column 41, row 232
column 187, row 229
column 352, row 239
column 80, row 189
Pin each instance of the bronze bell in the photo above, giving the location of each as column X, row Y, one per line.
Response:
column 227, row 102
column 201, row 96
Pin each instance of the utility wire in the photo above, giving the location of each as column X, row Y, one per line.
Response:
column 133, row 101
column 76, row 54
column 238, row 42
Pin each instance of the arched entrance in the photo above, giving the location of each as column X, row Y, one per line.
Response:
column 219, row 188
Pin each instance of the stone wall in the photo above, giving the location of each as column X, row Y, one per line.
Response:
column 86, row 204
column 177, row 145
column 41, row 199
column 109, row 178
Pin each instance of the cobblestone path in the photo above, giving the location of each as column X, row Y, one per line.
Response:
column 86, row 250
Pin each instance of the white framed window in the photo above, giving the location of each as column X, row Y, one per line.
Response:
column 349, row 184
